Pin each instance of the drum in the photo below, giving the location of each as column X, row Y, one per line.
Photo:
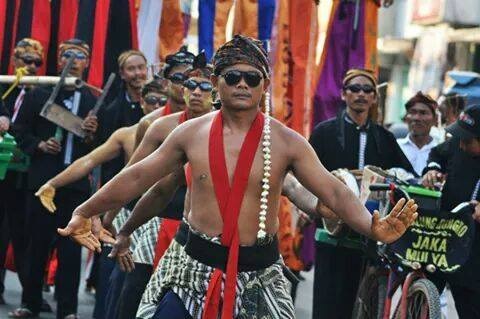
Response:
column 335, row 226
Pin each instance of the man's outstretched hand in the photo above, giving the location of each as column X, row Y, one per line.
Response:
column 121, row 251
column 101, row 233
column 46, row 194
column 390, row 228
column 80, row 230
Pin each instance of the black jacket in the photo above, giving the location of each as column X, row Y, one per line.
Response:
column 463, row 172
column 332, row 141
column 120, row 113
column 3, row 110
column 31, row 128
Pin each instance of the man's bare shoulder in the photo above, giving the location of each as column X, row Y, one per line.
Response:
column 197, row 123
column 162, row 126
column 285, row 134
column 151, row 117
column 125, row 132
column 197, row 127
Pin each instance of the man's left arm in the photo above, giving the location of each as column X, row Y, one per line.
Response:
column 336, row 196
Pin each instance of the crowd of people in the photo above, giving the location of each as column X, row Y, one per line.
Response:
column 192, row 169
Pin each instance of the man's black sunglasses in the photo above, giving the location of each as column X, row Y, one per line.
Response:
column 355, row 88
column 152, row 100
column 192, row 85
column 78, row 55
column 177, row 78
column 233, row 77
column 29, row 60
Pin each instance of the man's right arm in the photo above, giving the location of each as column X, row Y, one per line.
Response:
column 155, row 200
column 84, row 165
column 150, row 142
column 131, row 182
column 433, row 173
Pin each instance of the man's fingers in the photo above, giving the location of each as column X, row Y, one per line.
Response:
column 122, row 263
column 113, row 252
column 107, row 238
column 397, row 209
column 130, row 263
column 67, row 231
column 375, row 217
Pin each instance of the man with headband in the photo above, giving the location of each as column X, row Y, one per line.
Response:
column 174, row 73
column 239, row 158
column 27, row 58
column 197, row 95
column 125, row 110
column 352, row 140
column 420, row 117
column 51, row 150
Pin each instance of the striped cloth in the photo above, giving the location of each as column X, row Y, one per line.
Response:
column 118, row 222
column 145, row 249
column 260, row 294
column 151, row 296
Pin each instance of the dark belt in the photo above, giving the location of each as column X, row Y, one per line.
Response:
column 182, row 234
column 250, row 258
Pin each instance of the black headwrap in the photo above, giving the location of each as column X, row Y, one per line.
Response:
column 182, row 57
column 241, row 49
column 200, row 67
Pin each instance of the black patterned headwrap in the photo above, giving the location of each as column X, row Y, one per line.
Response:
column 241, row 49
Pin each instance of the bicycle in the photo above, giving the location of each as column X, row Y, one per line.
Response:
column 400, row 266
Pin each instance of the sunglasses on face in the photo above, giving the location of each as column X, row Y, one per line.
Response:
column 31, row 60
column 233, row 77
column 78, row 55
column 355, row 88
column 177, row 78
column 192, row 85
column 152, row 100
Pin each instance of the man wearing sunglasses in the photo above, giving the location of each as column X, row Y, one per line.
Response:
column 197, row 95
column 27, row 58
column 121, row 141
column 236, row 184
column 173, row 72
column 51, row 150
column 352, row 140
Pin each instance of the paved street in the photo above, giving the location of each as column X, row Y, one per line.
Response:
column 303, row 304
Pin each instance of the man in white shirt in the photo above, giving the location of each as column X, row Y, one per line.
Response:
column 420, row 118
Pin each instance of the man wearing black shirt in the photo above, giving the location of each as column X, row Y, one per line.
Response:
column 125, row 110
column 51, row 150
column 28, row 56
column 352, row 140
column 457, row 163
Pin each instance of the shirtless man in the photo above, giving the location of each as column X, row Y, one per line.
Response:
column 197, row 94
column 174, row 71
column 223, row 149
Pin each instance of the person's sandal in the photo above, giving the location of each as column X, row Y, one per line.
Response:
column 22, row 313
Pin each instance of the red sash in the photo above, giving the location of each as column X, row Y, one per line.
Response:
column 167, row 110
column 229, row 201
column 168, row 227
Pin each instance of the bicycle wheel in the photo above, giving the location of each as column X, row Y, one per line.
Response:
column 371, row 296
column 423, row 301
